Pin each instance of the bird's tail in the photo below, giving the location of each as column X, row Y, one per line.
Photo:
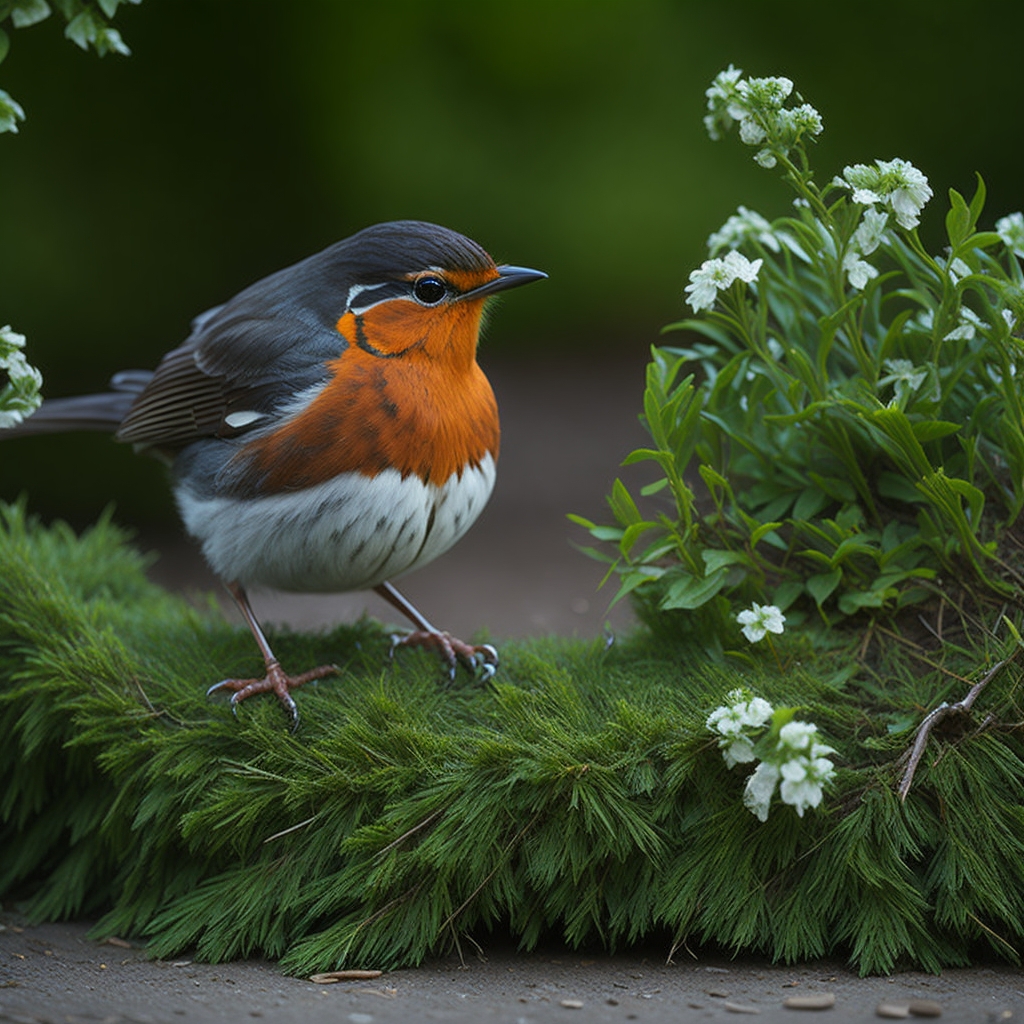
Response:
column 102, row 412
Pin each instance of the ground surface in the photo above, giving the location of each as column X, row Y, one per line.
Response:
column 565, row 429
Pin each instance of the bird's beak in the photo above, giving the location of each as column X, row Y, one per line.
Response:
column 508, row 277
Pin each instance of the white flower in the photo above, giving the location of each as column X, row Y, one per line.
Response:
column 744, row 224
column 740, row 751
column 904, row 376
column 19, row 393
column 741, row 268
column 871, row 231
column 716, row 275
column 9, row 338
column 910, row 193
column 751, row 132
column 858, row 271
column 803, row 780
column 1011, row 320
column 759, row 620
column 968, row 326
column 797, row 735
column 757, row 796
column 896, row 183
column 1011, row 230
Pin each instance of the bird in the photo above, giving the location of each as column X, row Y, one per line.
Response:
column 327, row 429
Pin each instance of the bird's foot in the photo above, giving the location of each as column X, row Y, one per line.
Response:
column 482, row 658
column 277, row 681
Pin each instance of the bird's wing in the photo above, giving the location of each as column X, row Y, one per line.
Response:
column 229, row 377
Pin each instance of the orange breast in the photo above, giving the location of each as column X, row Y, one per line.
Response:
column 407, row 393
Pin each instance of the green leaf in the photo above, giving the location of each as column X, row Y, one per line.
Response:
column 958, row 220
column 810, row 502
column 692, row 592
column 895, row 485
column 10, row 113
column 978, row 200
column 763, row 531
column 29, row 12
column 82, row 28
column 5, row 44
column 717, row 558
column 786, row 593
column 821, row 585
column 932, row 430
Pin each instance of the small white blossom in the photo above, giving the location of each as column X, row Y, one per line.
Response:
column 740, row 751
column 968, row 326
column 760, row 788
column 803, row 781
column 958, row 270
column 751, row 132
column 1011, row 230
column 765, row 158
column 744, row 224
column 858, row 271
column 1011, row 320
column 759, row 620
column 716, row 275
column 896, row 183
column 871, row 231
column 904, row 376
column 19, row 395
column 741, row 268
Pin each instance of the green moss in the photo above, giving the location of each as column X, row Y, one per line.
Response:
column 579, row 795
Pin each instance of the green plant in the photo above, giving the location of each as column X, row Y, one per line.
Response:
column 86, row 26
column 844, row 426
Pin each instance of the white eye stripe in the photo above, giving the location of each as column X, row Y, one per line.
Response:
column 362, row 297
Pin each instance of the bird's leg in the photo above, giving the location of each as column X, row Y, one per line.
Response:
column 451, row 649
column 276, row 679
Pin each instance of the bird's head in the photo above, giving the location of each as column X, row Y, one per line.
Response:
column 420, row 288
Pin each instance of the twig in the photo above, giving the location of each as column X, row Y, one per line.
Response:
column 944, row 710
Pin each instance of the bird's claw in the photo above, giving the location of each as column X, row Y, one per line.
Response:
column 276, row 681
column 480, row 659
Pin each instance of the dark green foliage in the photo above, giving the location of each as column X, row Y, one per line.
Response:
column 580, row 796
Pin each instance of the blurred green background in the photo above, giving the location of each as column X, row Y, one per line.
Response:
column 565, row 134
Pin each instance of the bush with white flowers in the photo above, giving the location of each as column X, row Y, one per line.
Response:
column 19, row 381
column 840, row 430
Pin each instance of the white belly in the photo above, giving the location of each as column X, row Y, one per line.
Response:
column 349, row 533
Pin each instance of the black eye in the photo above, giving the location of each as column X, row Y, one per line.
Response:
column 430, row 290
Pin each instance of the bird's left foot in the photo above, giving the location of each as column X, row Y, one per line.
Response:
column 275, row 681
column 482, row 658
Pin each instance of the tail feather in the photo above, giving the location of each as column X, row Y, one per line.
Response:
column 102, row 412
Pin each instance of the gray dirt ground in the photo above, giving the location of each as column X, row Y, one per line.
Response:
column 517, row 573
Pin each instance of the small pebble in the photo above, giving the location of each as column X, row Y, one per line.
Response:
column 892, row 1010
column 741, row 1008
column 925, row 1008
column 717, row 993
column 571, row 1004
column 813, row 1001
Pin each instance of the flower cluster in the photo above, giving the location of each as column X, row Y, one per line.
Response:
column 19, row 382
column 757, row 104
column 716, row 275
column 897, row 184
column 791, row 757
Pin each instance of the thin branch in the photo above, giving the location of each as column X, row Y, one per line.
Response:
column 943, row 711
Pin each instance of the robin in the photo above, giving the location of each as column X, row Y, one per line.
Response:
column 328, row 428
